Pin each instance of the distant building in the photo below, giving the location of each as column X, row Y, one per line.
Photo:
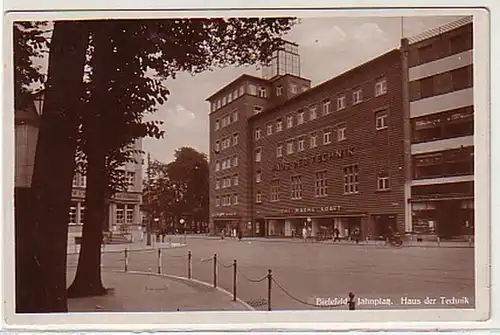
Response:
column 124, row 207
column 441, row 112
column 387, row 144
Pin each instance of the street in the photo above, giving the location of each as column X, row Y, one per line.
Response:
column 306, row 274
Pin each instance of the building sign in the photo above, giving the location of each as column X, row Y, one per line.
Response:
column 220, row 215
column 321, row 209
column 319, row 158
column 77, row 193
column 127, row 196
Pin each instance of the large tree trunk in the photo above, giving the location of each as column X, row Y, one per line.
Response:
column 88, row 280
column 42, row 211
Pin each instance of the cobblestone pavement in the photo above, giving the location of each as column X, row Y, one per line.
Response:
column 305, row 272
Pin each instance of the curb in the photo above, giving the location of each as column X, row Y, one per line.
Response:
column 443, row 244
column 199, row 282
column 131, row 250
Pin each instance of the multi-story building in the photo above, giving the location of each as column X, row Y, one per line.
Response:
column 286, row 155
column 124, row 207
column 439, row 68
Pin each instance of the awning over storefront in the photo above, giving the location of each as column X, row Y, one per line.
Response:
column 427, row 199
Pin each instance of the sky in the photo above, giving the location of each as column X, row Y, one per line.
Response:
column 328, row 46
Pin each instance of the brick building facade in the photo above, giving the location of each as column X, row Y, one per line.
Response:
column 387, row 144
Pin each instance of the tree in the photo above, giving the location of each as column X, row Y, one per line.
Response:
column 42, row 233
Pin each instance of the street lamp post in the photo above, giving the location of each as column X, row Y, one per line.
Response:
column 181, row 221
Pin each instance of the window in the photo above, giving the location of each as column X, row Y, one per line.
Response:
column 257, row 109
column 242, row 90
column 218, row 104
column 235, row 94
column 381, row 120
column 224, row 122
column 341, row 129
column 301, row 146
column 262, row 92
column 258, row 177
column 235, row 116
column 381, row 87
column 224, row 101
column 460, row 43
column 72, row 214
column 269, row 129
column 383, row 181
column 226, row 200
column 279, row 90
column 252, row 89
column 229, row 98
column 300, row 117
column 217, row 146
column 130, row 180
column 217, row 166
column 217, row 202
column 449, row 124
column 321, row 184
column 313, row 141
column 258, row 197
column 313, row 112
column 327, row 137
column 129, row 215
column 217, row 125
column 293, row 88
column 289, row 148
column 217, row 183
column 236, row 180
column 289, row 121
column 235, row 139
column 279, row 125
column 462, row 78
column 82, row 213
column 213, row 106
column 357, row 96
column 76, row 179
column 425, row 54
column 258, row 154
column 235, row 161
column 341, row 102
column 454, row 162
column 120, row 215
column 326, row 107
column 351, row 179
column 296, row 187
column 235, row 199
column 275, row 190
column 279, row 151
column 227, row 182
column 257, row 133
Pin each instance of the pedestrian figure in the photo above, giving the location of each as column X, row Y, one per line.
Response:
column 240, row 235
column 336, row 235
column 304, row 234
column 234, row 233
column 222, row 234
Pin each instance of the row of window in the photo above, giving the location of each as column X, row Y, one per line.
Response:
column 454, row 123
column 80, row 180
column 299, row 117
column 73, row 220
column 227, row 163
column 226, row 182
column 227, row 120
column 351, row 185
column 226, row 142
column 261, row 92
column 226, row 200
column 442, row 83
column 442, row 164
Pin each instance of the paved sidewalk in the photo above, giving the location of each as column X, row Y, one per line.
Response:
column 133, row 292
column 423, row 244
column 75, row 249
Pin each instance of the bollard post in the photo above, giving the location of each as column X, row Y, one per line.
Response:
column 215, row 270
column 126, row 260
column 269, row 284
column 190, row 265
column 159, row 260
column 235, row 274
column 351, row 302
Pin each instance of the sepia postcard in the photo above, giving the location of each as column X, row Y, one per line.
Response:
column 241, row 169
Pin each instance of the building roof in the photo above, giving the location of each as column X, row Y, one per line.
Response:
column 319, row 87
column 240, row 78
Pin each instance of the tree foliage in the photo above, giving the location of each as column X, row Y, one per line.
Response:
column 30, row 43
column 179, row 189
